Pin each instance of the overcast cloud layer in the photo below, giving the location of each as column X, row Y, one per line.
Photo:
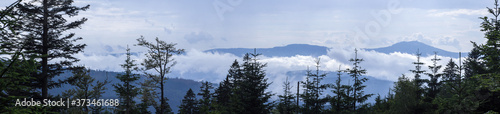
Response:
column 342, row 25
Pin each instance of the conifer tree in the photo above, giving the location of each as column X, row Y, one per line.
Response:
column 433, row 84
column 341, row 102
column 159, row 58
column 405, row 96
column 313, row 90
column 286, row 101
column 43, row 25
column 224, row 92
column 489, row 55
column 357, row 73
column 189, row 104
column 86, row 88
column 15, row 67
column 148, row 94
column 205, row 103
column 127, row 91
column 251, row 87
column 458, row 94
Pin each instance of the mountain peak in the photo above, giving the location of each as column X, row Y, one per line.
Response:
column 281, row 51
column 411, row 47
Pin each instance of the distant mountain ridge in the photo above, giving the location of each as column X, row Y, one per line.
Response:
column 411, row 47
column 280, row 51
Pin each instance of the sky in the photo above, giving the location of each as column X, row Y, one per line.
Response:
column 341, row 25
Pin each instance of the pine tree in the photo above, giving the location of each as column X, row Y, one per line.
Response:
column 340, row 103
column 127, row 91
column 205, row 103
column 43, row 25
column 86, row 88
column 418, row 71
column 251, row 87
column 148, row 94
column 458, row 95
column 434, row 84
column 357, row 73
column 489, row 55
column 224, row 92
column 15, row 67
column 313, row 90
column 159, row 58
column 286, row 101
column 405, row 96
column 189, row 104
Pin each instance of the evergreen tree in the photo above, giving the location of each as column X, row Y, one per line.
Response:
column 159, row 58
column 405, row 96
column 313, row 90
column 224, row 92
column 357, row 73
column 250, row 96
column 458, row 95
column 148, row 94
column 15, row 67
column 341, row 102
column 418, row 71
column 286, row 101
column 205, row 103
column 43, row 25
column 86, row 88
column 489, row 57
column 127, row 91
column 433, row 83
column 189, row 104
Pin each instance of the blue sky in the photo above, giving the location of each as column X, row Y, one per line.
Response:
column 198, row 25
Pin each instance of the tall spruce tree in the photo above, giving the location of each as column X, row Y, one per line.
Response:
column 357, row 73
column 489, row 57
column 313, row 91
column 341, row 102
column 15, row 67
column 159, row 58
column 458, row 94
column 189, row 104
column 127, row 90
column 224, row 92
column 405, row 96
column 86, row 88
column 148, row 95
column 434, row 84
column 286, row 101
column 205, row 103
column 252, row 87
column 43, row 25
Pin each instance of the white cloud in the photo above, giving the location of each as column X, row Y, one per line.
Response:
column 459, row 12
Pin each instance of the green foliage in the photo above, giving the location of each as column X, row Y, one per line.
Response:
column 43, row 31
column 127, row 91
column 206, row 98
column 313, row 90
column 85, row 89
column 223, row 93
column 357, row 73
column 406, row 96
column 189, row 104
column 286, row 103
column 342, row 101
